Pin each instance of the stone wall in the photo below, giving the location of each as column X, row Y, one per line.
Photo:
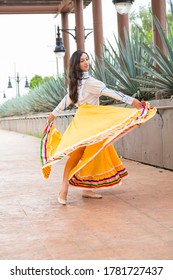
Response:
column 152, row 143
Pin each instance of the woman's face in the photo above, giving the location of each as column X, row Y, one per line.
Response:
column 84, row 63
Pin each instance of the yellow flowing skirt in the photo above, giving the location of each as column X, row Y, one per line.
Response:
column 95, row 128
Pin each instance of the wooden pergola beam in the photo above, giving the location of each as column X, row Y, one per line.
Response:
column 29, row 9
column 39, row 7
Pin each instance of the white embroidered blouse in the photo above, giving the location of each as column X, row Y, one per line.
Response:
column 89, row 92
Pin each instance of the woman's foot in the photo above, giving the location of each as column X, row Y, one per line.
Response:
column 90, row 194
column 62, row 198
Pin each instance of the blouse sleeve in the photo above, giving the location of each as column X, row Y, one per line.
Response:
column 99, row 88
column 117, row 95
column 65, row 102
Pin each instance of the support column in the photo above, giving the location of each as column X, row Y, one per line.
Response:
column 65, row 38
column 159, row 10
column 123, row 23
column 78, row 4
column 98, row 28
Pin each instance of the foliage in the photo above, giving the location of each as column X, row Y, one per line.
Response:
column 143, row 19
column 42, row 98
column 36, row 81
column 120, row 71
column 160, row 73
column 136, row 68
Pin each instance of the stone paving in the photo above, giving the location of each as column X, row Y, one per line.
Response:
column 133, row 221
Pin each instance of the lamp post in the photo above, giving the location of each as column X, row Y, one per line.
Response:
column 17, row 79
column 3, row 94
column 123, row 6
column 59, row 49
column 74, row 36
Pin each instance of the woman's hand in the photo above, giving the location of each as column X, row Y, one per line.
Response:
column 137, row 104
column 51, row 118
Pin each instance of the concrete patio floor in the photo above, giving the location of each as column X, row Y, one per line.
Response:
column 133, row 221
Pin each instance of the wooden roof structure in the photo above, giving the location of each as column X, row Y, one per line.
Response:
column 38, row 6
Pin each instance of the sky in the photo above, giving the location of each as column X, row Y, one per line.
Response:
column 28, row 42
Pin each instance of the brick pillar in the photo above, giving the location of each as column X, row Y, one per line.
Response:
column 66, row 42
column 98, row 27
column 123, row 23
column 159, row 10
column 78, row 4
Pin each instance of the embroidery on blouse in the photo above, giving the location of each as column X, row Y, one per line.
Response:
column 65, row 104
column 85, row 76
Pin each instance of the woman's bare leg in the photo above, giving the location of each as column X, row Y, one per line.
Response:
column 71, row 163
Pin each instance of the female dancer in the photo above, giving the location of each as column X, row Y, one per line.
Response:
column 84, row 91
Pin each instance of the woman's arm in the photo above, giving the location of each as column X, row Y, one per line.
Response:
column 137, row 104
column 97, row 87
column 122, row 97
column 65, row 102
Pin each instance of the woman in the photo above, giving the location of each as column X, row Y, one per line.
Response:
column 94, row 146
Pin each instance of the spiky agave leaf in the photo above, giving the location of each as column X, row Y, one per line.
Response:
column 101, row 73
column 160, row 72
column 43, row 98
column 120, row 65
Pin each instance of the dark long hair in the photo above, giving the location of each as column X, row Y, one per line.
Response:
column 75, row 74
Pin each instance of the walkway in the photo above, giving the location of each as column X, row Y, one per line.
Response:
column 133, row 221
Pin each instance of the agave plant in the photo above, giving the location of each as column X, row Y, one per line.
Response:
column 160, row 71
column 119, row 70
column 43, row 98
column 101, row 73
